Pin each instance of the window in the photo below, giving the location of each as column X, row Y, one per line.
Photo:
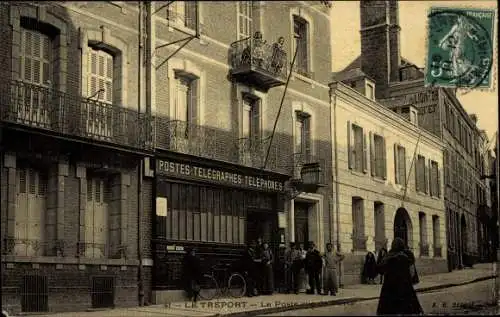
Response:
column 251, row 118
column 378, row 156
column 186, row 99
column 446, row 162
column 436, row 237
column 36, row 69
column 422, row 221
column 356, row 148
column 358, row 221
column 300, row 33
column 370, row 91
column 400, row 164
column 421, row 174
column 97, row 214
column 244, row 19
column 435, row 188
column 183, row 13
column 303, row 134
column 100, row 77
column 31, row 209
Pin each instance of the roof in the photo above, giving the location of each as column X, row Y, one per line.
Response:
column 353, row 70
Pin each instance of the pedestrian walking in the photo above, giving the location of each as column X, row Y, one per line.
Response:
column 332, row 259
column 370, row 269
column 268, row 276
column 192, row 274
column 314, row 264
column 398, row 295
column 382, row 253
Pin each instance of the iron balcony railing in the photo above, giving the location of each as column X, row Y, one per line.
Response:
column 70, row 115
column 188, row 138
column 253, row 152
column 302, row 159
column 255, row 54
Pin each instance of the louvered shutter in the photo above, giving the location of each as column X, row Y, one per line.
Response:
column 192, row 105
column 439, row 181
column 402, row 166
column 426, row 176
column 349, row 145
column 307, row 137
column 255, row 120
column 373, row 158
column 384, row 159
column 417, row 172
column 101, row 75
column 396, row 164
column 365, row 152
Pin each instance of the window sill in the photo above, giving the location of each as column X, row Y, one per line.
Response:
column 379, row 179
column 358, row 173
column 421, row 193
column 68, row 260
column 303, row 78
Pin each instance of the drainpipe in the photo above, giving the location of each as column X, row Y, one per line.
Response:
column 140, row 275
column 333, row 106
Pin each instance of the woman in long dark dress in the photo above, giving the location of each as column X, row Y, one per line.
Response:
column 192, row 274
column 398, row 295
column 370, row 269
column 382, row 253
column 267, row 263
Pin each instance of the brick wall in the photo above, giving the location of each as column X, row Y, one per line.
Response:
column 69, row 286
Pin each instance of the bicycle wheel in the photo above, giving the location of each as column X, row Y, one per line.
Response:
column 208, row 287
column 236, row 285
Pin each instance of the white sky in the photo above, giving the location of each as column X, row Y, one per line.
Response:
column 413, row 21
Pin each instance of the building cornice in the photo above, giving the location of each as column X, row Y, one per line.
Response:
column 381, row 112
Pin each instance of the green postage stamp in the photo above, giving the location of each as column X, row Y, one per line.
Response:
column 460, row 49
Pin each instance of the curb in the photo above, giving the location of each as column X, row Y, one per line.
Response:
column 342, row 301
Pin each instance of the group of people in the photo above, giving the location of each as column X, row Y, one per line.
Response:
column 371, row 267
column 299, row 261
column 395, row 267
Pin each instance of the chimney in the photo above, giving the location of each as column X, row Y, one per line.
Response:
column 380, row 43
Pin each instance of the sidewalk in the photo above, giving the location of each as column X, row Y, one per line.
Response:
column 283, row 302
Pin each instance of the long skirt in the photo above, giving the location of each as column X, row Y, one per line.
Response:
column 268, row 281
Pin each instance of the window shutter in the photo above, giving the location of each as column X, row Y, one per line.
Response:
column 307, row 137
column 396, row 164
column 417, row 170
column 365, row 152
column 384, row 159
column 255, row 123
column 193, row 102
column 402, row 166
column 438, row 191
column 349, row 145
column 373, row 159
column 426, row 177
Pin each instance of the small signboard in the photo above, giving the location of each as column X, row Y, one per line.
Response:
column 161, row 206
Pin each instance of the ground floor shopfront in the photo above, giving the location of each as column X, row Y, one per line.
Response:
column 215, row 207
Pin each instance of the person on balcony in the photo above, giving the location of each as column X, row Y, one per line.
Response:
column 278, row 58
column 258, row 49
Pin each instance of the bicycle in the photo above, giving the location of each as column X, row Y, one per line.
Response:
column 233, row 283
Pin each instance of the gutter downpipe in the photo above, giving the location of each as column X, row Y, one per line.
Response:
column 333, row 106
column 140, row 275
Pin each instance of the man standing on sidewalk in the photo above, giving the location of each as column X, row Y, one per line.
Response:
column 332, row 258
column 314, row 263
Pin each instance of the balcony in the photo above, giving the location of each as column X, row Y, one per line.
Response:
column 51, row 111
column 258, row 64
column 252, row 152
column 192, row 139
column 309, row 171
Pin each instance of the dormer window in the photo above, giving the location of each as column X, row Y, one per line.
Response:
column 370, row 90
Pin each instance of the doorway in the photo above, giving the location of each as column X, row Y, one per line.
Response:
column 402, row 226
column 380, row 241
column 301, row 219
column 262, row 224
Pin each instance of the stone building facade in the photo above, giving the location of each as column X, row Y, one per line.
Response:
column 399, row 84
column 390, row 181
column 74, row 204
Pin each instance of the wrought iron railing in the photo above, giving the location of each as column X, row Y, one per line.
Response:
column 253, row 151
column 93, row 250
column 301, row 159
column 259, row 55
column 437, row 251
column 358, row 242
column 184, row 137
column 424, row 249
column 70, row 115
